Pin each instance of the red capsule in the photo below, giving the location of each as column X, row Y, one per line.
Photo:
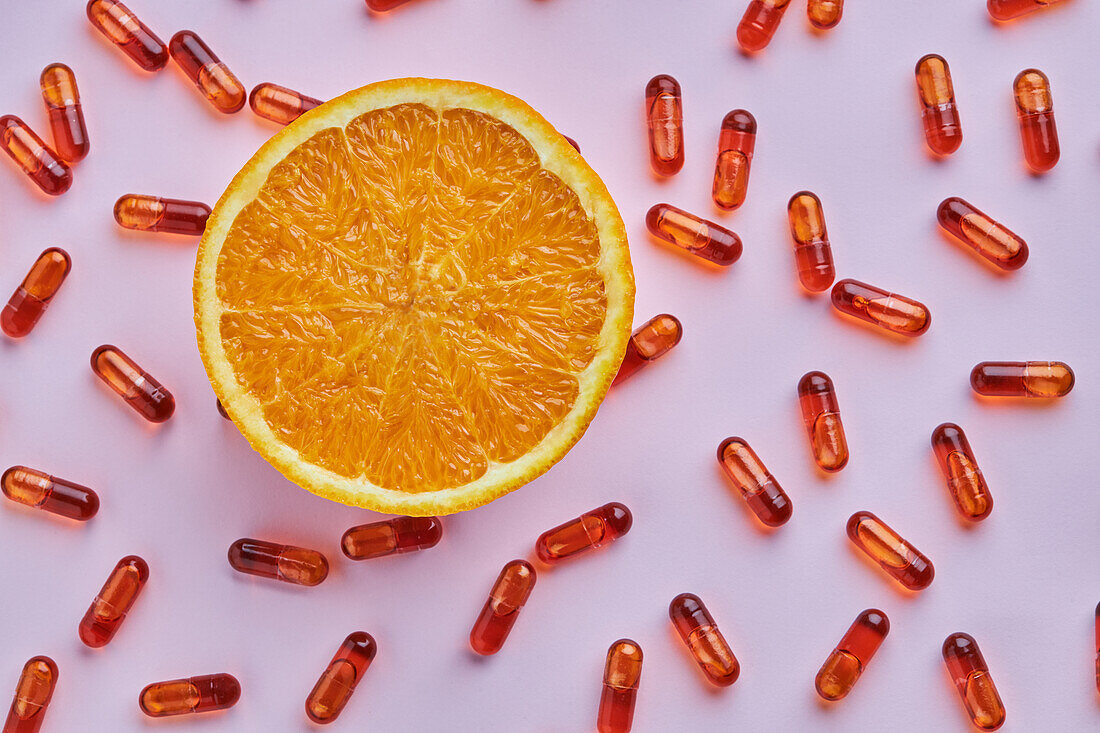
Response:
column 192, row 695
column 32, row 696
column 824, row 14
column 587, row 532
column 280, row 562
column 280, row 104
column 384, row 5
column 338, row 681
column 29, row 301
column 761, row 492
column 665, row 117
column 977, row 230
column 1041, row 379
column 1035, row 111
column 939, row 113
column 1098, row 647
column 154, row 214
column 813, row 255
column 114, row 601
column 391, row 537
column 125, row 30
column 146, row 395
column 59, row 91
column 696, row 627
column 1009, row 9
column 206, row 70
column 40, row 490
column 736, row 143
column 702, row 238
column 34, row 157
column 970, row 673
column 621, row 675
column 846, row 663
column 878, row 307
column 759, row 23
column 652, row 340
column 221, row 409
column 817, row 398
column 510, row 592
column 903, row 562
column 964, row 478
column 572, row 142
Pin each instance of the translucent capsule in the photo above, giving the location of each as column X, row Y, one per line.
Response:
column 761, row 492
column 825, row 14
column 736, row 143
column 192, row 695
column 759, row 23
column 939, row 114
column 896, row 556
column 510, row 592
column 391, row 537
column 221, row 409
column 146, row 395
column 813, row 255
column 649, row 342
column 665, row 117
column 32, row 696
column 206, row 70
column 621, row 675
column 572, row 142
column 154, row 214
column 1035, row 111
column 696, row 627
column 338, row 681
column 30, row 299
column 122, row 28
column 114, row 601
column 384, row 5
column 1009, row 9
column 280, row 562
column 40, row 490
column 1043, row 379
column 279, row 104
column 70, row 134
column 878, row 307
column 702, row 238
column 981, row 233
column 817, row 398
column 34, row 157
column 964, row 478
column 587, row 532
column 970, row 673
column 846, row 663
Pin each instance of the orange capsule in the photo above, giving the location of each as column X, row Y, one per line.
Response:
column 32, row 696
column 1009, row 9
column 696, row 627
column 813, row 255
column 391, row 537
column 510, row 592
column 70, row 134
column 964, row 478
column 146, row 395
column 589, row 531
column 1044, row 379
column 970, row 673
column 702, row 238
column 824, row 14
column 903, row 562
column 125, row 30
column 974, row 228
column 759, row 23
column 736, row 143
column 652, row 340
column 206, row 70
column 620, row 687
column 29, row 301
column 384, row 5
column 154, row 214
column 114, row 601
column 572, row 142
column 878, row 307
column 665, row 117
column 40, row 490
column 280, row 562
column 761, row 492
column 192, row 695
column 939, row 113
column 279, row 104
column 817, row 398
column 338, row 681
column 1035, row 111
column 34, row 157
column 846, row 663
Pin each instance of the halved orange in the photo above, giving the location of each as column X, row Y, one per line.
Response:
column 414, row 297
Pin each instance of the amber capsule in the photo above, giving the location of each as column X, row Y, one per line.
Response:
column 898, row 557
column 192, row 695
column 391, row 537
column 202, row 66
column 939, row 114
column 146, row 395
column 1009, row 9
column 1044, row 379
column 384, row 5
column 34, row 157
column 40, row 490
column 759, row 23
column 736, row 143
column 589, row 531
column 652, row 340
column 281, row 562
column 29, row 301
column 702, row 238
column 32, row 696
column 846, row 663
column 70, row 134
column 696, row 627
column 154, row 214
column 510, row 592
column 763, row 494
column 221, row 409
column 125, row 30
column 824, row 14
column 665, row 117
column 280, row 104
column 964, row 478
column 970, row 673
column 114, row 601
column 813, row 255
column 620, row 687
column 817, row 398
column 1035, row 111
column 993, row 241
column 338, row 681
column 574, row 143
column 878, row 307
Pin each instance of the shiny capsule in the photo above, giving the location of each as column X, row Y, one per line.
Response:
column 903, row 562
column 146, row 395
column 1042, row 379
column 30, row 299
column 880, row 308
column 621, row 675
column 154, row 214
column 338, row 681
column 192, row 695
column 34, row 157
column 574, row 143
column 384, row 5
column 32, row 696
column 40, row 490
column 202, row 66
column 696, row 627
column 813, row 255
column 970, row 673
column 279, row 104
column 846, row 663
column 221, row 409
column 824, row 14
column 939, row 113
column 652, row 340
column 759, row 23
column 1097, row 647
column 59, row 91
column 665, row 119
column 761, row 492
column 509, row 594
column 736, row 143
column 280, row 562
column 977, row 230
column 960, row 469
column 1009, row 9
column 114, row 601
column 702, row 238
column 125, row 30
column 817, row 398
column 589, row 531
column 391, row 537
column 1035, row 111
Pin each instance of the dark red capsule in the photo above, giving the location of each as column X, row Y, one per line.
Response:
column 29, row 301
column 114, row 601
column 338, row 681
column 40, row 490
column 391, row 537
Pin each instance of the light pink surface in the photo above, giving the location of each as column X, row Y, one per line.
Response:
column 837, row 114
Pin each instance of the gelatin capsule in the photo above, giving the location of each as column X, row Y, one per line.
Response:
column 280, row 104
column 702, row 238
column 114, row 601
column 621, row 675
column 572, row 142
column 759, row 23
column 939, row 113
column 817, row 398
column 1009, row 9
column 761, row 492
column 970, row 673
column 1043, row 379
column 32, row 696
column 589, row 531
column 384, row 5
column 391, row 537
column 154, row 214
column 846, row 663
column 825, row 14
column 665, row 117
column 696, row 627
column 146, row 395
column 1035, row 111
column 652, row 340
column 338, row 681
column 192, row 695
column 896, row 556
column 206, row 70
column 221, row 409
column 509, row 594
column 964, row 478
column 40, row 490
column 974, row 228
column 125, row 30
column 813, row 255
column 878, row 307
column 280, row 562
column 34, row 157
column 30, row 299
column 1098, row 647
column 736, row 143
column 70, row 134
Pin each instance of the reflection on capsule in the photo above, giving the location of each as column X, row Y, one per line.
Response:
column 154, row 214
column 279, row 104
column 32, row 696
column 202, row 66
column 114, row 601
column 1009, row 9
column 29, row 301
column 621, row 675
column 702, row 238
column 896, row 556
column 38, row 489
column 817, row 398
column 338, row 681
column 813, row 255
column 759, row 23
column 587, row 532
column 969, row 672
column 70, row 134
column 696, row 627
column 384, row 5
column 878, row 307
column 991, row 240
column 1044, row 379
column 281, row 562
column 939, row 113
column 846, row 663
column 192, row 695
column 146, row 395
column 391, row 537
column 825, row 14
column 652, row 340
column 761, row 492
column 509, row 594
column 34, row 157
column 964, row 478
column 736, row 143
column 1035, row 111
column 665, row 118
column 125, row 30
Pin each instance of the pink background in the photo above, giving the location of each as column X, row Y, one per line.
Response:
column 838, row 115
